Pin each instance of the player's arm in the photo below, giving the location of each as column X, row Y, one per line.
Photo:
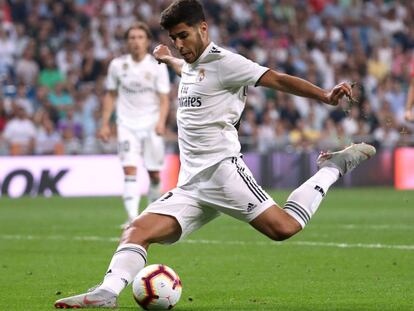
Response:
column 163, row 54
column 297, row 86
column 164, row 108
column 108, row 106
column 409, row 114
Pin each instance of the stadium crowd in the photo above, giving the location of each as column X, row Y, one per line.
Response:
column 54, row 56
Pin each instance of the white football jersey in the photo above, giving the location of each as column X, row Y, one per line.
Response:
column 211, row 98
column 138, row 85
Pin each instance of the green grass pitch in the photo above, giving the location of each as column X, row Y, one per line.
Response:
column 357, row 253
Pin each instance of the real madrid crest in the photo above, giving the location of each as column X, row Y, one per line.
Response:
column 125, row 66
column 201, row 75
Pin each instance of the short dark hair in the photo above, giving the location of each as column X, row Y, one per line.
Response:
column 190, row 12
column 139, row 25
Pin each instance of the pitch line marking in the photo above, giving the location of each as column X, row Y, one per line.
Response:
column 218, row 242
column 374, row 227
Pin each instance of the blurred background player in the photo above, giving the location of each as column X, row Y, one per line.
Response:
column 139, row 88
column 409, row 113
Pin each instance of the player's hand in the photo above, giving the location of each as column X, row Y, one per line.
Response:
column 162, row 53
column 340, row 90
column 160, row 129
column 104, row 132
column 409, row 115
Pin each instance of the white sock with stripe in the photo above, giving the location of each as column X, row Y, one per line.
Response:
column 127, row 261
column 131, row 196
column 303, row 202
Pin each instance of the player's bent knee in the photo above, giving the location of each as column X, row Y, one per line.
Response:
column 284, row 231
column 151, row 228
column 276, row 224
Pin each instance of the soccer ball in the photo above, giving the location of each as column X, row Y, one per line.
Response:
column 157, row 287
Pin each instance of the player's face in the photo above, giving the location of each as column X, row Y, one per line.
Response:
column 138, row 42
column 190, row 41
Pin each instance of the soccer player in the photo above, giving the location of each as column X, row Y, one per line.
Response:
column 139, row 88
column 409, row 113
column 213, row 178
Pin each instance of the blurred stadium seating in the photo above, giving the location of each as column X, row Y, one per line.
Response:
column 54, row 56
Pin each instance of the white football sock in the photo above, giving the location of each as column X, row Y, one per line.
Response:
column 127, row 261
column 131, row 197
column 154, row 191
column 305, row 200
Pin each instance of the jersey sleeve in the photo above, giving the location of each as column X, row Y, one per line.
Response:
column 236, row 71
column 111, row 83
column 163, row 81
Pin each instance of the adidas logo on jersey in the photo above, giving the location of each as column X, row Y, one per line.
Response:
column 214, row 50
column 251, row 207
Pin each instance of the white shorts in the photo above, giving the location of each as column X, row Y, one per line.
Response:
column 133, row 144
column 227, row 187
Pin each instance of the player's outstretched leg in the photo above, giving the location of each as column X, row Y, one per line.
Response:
column 129, row 258
column 305, row 200
column 347, row 159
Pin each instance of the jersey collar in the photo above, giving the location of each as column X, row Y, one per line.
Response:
column 204, row 54
column 135, row 62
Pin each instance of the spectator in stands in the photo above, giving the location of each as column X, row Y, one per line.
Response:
column 48, row 140
column 23, row 101
column 386, row 135
column 282, row 139
column 350, row 123
column 68, row 58
column 395, row 96
column 386, row 115
column 20, row 133
column 329, row 136
column 22, row 40
column 90, row 67
column 377, row 67
column 72, row 144
column 338, row 114
column 288, row 113
column 266, row 134
column 71, row 123
column 61, row 99
column 50, row 75
column 343, row 139
column 43, row 105
column 369, row 116
column 8, row 47
column 27, row 69
column 302, row 137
